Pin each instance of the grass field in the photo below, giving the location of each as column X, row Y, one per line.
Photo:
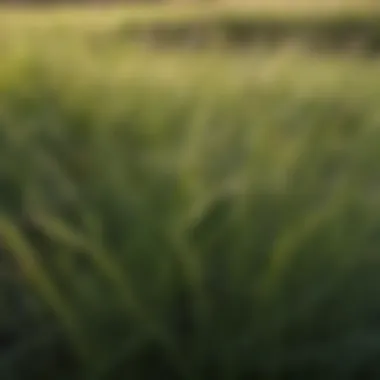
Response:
column 187, row 215
column 344, row 25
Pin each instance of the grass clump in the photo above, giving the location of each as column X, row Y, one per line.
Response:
column 215, row 222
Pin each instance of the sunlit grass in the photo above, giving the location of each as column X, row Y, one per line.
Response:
column 342, row 26
column 187, row 216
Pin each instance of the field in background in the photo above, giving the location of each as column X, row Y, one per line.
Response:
column 317, row 27
column 186, row 215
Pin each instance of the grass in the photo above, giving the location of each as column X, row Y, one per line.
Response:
column 339, row 25
column 187, row 215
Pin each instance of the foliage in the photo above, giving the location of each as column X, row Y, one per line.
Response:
column 187, row 216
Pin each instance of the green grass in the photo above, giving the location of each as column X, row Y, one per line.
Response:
column 189, row 216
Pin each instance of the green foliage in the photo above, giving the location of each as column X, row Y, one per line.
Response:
column 189, row 217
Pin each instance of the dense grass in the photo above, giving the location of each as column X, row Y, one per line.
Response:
column 187, row 216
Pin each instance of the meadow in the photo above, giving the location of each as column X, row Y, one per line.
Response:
column 190, row 214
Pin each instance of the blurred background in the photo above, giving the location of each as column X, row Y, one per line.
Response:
column 189, row 189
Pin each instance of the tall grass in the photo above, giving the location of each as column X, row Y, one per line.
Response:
column 188, row 217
